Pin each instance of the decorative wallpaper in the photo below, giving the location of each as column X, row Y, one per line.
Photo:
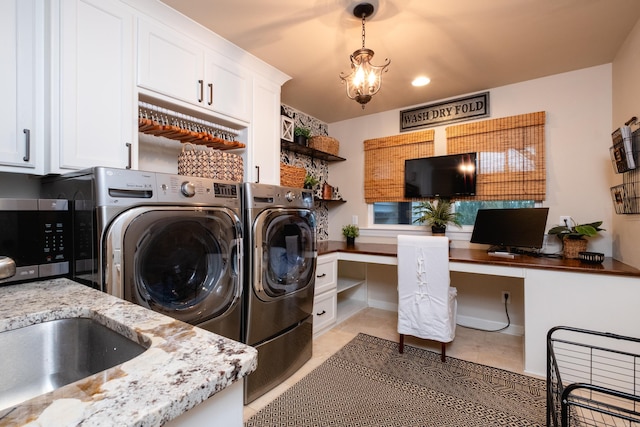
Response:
column 303, row 120
column 319, row 169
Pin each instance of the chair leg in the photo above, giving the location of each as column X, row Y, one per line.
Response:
column 443, row 352
column 401, row 344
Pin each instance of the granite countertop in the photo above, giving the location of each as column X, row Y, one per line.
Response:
column 183, row 366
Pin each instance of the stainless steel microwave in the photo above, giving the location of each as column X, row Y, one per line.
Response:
column 35, row 239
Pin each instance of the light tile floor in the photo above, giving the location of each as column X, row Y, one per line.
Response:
column 488, row 348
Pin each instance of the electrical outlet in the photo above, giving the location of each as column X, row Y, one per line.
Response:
column 565, row 220
column 506, row 296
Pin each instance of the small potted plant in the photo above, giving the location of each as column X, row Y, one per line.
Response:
column 574, row 238
column 301, row 135
column 437, row 215
column 310, row 181
column 350, row 231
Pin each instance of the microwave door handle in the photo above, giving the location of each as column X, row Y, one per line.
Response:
column 7, row 267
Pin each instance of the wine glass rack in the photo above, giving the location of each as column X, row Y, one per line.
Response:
column 163, row 122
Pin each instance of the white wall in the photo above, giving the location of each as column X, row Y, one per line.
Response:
column 626, row 104
column 578, row 130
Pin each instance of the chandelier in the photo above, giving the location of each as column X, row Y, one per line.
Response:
column 365, row 79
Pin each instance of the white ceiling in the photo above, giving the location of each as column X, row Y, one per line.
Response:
column 462, row 45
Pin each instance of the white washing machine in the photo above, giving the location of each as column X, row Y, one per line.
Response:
column 169, row 243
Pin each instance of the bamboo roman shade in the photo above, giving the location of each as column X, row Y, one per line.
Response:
column 384, row 163
column 511, row 155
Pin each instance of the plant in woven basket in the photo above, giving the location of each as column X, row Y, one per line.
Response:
column 437, row 215
column 579, row 231
column 573, row 237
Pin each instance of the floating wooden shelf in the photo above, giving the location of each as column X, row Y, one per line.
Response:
column 317, row 199
column 308, row 151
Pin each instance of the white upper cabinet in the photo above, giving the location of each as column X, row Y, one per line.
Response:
column 172, row 64
column 264, row 145
column 228, row 87
column 93, row 115
column 22, row 86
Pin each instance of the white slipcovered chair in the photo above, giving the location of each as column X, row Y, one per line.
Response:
column 426, row 303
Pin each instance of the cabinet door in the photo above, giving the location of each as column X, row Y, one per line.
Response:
column 96, row 86
column 227, row 87
column 21, row 86
column 264, row 145
column 170, row 63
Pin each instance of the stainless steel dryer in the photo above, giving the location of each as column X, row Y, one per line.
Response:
column 167, row 242
column 280, row 264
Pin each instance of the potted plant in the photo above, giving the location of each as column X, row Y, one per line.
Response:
column 436, row 214
column 301, row 135
column 350, row 231
column 574, row 238
column 310, row 181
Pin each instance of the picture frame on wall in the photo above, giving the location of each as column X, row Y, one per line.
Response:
column 286, row 128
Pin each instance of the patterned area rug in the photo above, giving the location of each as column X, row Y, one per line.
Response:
column 368, row 383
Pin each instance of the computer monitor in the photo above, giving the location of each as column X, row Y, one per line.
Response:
column 510, row 228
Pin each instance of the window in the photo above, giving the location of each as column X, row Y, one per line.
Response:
column 510, row 166
column 401, row 213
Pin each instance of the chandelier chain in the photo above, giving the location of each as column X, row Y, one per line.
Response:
column 363, row 16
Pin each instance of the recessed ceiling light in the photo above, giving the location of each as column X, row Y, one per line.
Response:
column 421, row 81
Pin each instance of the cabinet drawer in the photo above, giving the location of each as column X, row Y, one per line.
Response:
column 326, row 275
column 324, row 311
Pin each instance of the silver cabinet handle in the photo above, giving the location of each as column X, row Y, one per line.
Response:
column 27, row 134
column 210, row 93
column 129, row 154
column 201, row 86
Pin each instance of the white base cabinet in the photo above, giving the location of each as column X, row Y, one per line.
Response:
column 352, row 289
column 341, row 291
column 325, row 300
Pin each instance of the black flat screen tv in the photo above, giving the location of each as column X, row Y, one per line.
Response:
column 510, row 228
column 440, row 176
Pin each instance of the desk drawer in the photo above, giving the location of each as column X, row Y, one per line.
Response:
column 324, row 311
column 326, row 275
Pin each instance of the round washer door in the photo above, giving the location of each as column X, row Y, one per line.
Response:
column 285, row 260
column 183, row 263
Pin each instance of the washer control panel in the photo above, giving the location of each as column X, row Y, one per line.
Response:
column 191, row 189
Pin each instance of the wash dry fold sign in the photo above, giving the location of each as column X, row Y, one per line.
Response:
column 455, row 110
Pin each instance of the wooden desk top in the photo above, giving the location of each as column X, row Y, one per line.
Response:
column 608, row 266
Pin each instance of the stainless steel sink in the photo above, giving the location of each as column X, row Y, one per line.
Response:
column 39, row 358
